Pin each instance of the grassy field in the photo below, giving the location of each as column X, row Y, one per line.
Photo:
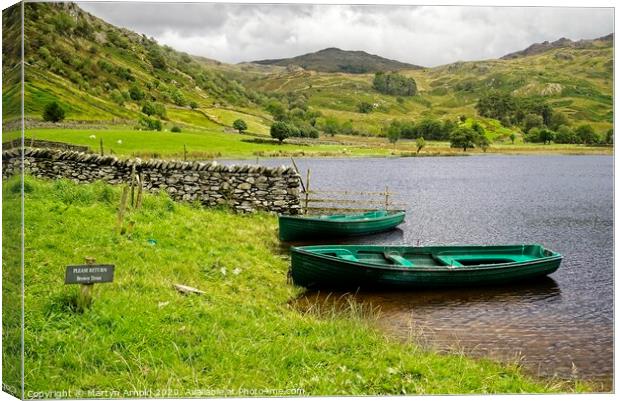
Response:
column 243, row 333
column 215, row 143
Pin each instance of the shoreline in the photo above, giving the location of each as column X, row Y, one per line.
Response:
column 246, row 301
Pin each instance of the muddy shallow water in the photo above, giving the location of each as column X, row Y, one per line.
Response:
column 561, row 325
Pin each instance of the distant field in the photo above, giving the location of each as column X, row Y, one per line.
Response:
column 214, row 143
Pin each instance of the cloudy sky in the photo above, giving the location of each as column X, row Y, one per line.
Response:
column 423, row 35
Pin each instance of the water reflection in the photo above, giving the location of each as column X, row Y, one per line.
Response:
column 395, row 236
column 563, row 326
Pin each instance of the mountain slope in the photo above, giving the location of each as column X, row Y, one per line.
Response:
column 337, row 60
column 576, row 80
column 538, row 48
column 97, row 71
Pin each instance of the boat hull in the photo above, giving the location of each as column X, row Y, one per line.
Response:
column 312, row 270
column 298, row 228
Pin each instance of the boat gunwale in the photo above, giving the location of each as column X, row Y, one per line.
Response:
column 393, row 268
column 391, row 214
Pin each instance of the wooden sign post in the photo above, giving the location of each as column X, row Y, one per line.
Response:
column 86, row 276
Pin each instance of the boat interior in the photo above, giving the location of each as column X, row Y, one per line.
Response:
column 429, row 257
column 357, row 216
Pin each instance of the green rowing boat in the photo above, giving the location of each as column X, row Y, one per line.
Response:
column 295, row 228
column 352, row 266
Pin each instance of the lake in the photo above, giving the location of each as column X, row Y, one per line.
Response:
column 561, row 325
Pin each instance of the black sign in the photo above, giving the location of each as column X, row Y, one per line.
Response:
column 89, row 274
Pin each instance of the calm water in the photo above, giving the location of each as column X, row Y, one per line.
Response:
column 561, row 325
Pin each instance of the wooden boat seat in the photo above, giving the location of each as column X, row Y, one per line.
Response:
column 447, row 261
column 398, row 260
column 344, row 254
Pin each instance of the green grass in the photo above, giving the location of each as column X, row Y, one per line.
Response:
column 214, row 143
column 242, row 333
column 11, row 287
column 201, row 144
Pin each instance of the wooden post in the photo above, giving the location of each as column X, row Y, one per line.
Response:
column 307, row 190
column 32, row 142
column 303, row 187
column 133, row 182
column 184, row 152
column 101, row 146
column 85, row 294
column 139, row 196
column 387, row 194
column 121, row 208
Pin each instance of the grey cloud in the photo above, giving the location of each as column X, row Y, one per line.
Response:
column 425, row 35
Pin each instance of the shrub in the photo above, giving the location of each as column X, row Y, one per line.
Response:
column 135, row 93
column 150, row 124
column 420, row 143
column 176, row 128
column 154, row 108
column 365, row 107
column 53, row 112
column 394, row 84
column 193, row 105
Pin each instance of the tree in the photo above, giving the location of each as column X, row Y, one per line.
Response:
column 193, row 105
column 364, row 107
column 430, row 128
column 280, row 131
column 393, row 132
column 546, row 136
column 496, row 104
column 532, row 121
column 53, row 112
column 420, row 143
column 533, row 135
column 558, row 119
column 483, row 142
column 565, row 135
column 276, row 109
column 240, row 125
column 512, row 137
column 609, row 136
column 463, row 137
column 331, row 126
column 585, row 133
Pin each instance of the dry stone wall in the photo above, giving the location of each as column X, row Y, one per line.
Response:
column 244, row 188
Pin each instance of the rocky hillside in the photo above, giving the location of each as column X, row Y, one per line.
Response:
column 538, row 48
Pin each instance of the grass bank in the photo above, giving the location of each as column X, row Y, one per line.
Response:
column 217, row 144
column 141, row 334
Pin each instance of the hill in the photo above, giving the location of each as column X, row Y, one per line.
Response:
column 336, row 60
column 99, row 72
column 538, row 48
column 574, row 80
column 104, row 75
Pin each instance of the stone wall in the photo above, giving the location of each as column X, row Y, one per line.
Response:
column 38, row 143
column 244, row 188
